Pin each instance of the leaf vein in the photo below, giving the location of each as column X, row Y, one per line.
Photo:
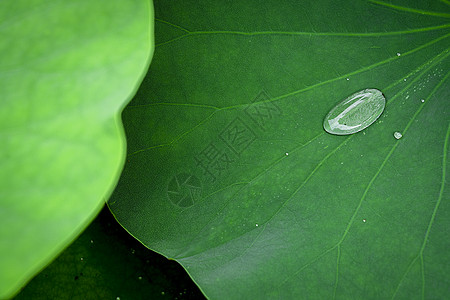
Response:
column 411, row 10
column 301, row 33
column 273, row 164
column 441, row 191
column 177, row 138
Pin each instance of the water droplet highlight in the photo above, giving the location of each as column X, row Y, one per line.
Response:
column 397, row 135
column 356, row 112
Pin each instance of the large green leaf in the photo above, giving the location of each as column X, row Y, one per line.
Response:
column 230, row 172
column 66, row 68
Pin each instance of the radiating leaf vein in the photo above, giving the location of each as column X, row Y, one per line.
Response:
column 204, row 121
column 411, row 10
column 188, row 33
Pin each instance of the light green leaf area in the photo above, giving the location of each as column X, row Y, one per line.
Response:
column 66, row 70
column 230, row 172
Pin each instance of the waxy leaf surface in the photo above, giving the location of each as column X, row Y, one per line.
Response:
column 230, row 172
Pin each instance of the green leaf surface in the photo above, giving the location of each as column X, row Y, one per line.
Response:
column 230, row 172
column 66, row 70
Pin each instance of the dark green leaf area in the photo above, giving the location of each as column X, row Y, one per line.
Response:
column 230, row 172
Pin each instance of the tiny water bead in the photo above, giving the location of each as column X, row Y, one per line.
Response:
column 356, row 112
column 397, row 135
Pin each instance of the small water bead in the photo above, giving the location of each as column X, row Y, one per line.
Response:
column 355, row 112
column 422, row 100
column 397, row 135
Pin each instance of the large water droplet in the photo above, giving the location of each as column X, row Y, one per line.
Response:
column 355, row 112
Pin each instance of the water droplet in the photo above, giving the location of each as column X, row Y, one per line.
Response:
column 348, row 78
column 117, row 298
column 287, row 153
column 256, row 225
column 92, row 241
column 398, row 54
column 404, row 79
column 355, row 112
column 422, row 100
column 364, row 220
column 397, row 135
column 140, row 277
column 81, row 258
